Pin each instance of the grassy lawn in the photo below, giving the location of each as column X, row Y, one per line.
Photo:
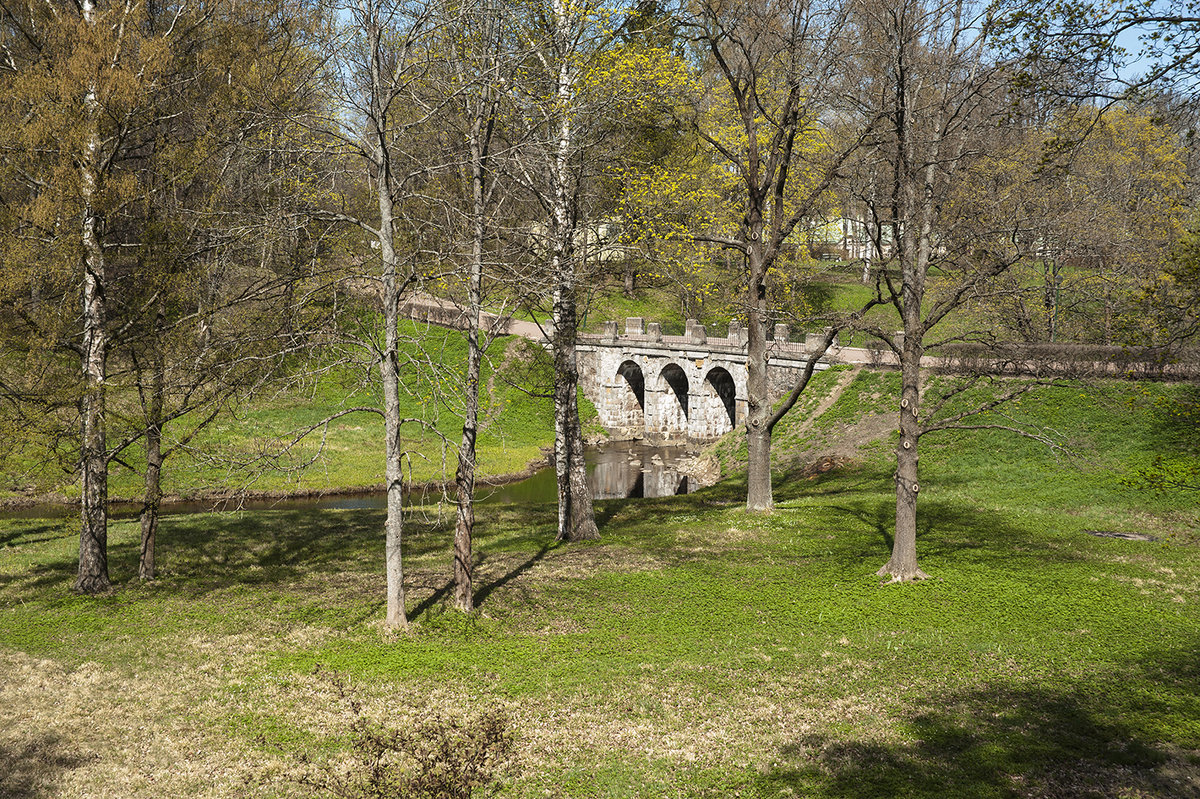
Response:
column 696, row 651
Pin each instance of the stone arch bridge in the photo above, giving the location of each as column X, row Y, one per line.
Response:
column 664, row 389
column 693, row 388
column 677, row 388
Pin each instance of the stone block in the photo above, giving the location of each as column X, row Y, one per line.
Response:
column 737, row 335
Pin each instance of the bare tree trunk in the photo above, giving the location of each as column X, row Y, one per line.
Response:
column 389, row 372
column 152, row 498
column 914, row 204
column 903, row 564
column 93, row 538
column 576, row 520
column 583, row 515
column 464, row 478
column 152, row 502
column 758, row 400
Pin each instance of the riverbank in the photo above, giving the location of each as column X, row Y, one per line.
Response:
column 221, row 497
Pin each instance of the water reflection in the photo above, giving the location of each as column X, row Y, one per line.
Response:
column 627, row 470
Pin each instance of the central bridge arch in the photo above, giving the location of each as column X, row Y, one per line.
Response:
column 668, row 417
column 720, row 401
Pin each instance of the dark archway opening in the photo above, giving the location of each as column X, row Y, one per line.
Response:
column 722, row 383
column 637, row 382
column 674, row 376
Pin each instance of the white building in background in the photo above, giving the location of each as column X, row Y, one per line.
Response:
column 844, row 238
column 598, row 240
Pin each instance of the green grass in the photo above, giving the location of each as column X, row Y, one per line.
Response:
column 695, row 651
column 349, row 454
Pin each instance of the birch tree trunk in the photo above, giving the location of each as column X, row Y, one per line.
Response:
column 464, row 478
column 93, row 538
column 389, row 359
column 576, row 520
column 389, row 372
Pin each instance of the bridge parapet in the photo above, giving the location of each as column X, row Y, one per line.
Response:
column 641, row 334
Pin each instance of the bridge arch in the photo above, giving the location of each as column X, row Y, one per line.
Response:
column 719, row 399
column 635, row 380
column 668, row 419
column 631, row 397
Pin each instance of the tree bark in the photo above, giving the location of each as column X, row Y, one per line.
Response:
column 913, row 203
column 759, row 496
column 389, row 372
column 903, row 564
column 583, row 515
column 576, row 519
column 464, row 477
column 93, row 538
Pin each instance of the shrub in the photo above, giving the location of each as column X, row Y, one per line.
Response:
column 438, row 756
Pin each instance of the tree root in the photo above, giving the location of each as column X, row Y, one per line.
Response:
column 906, row 576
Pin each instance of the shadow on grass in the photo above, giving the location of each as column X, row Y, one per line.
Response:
column 1174, row 423
column 207, row 552
column 481, row 596
column 22, row 534
column 284, row 550
column 32, row 769
column 1093, row 739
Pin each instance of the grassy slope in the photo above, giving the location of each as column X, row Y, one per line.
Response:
column 515, row 428
column 695, row 651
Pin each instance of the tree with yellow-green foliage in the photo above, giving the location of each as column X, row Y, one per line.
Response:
column 119, row 125
column 583, row 81
column 774, row 77
column 1107, row 193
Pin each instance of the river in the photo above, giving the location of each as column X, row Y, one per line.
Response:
column 616, row 470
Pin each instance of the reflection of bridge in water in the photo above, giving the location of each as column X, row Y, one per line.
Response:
column 624, row 470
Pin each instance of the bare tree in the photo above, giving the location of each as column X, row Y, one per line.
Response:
column 380, row 63
column 479, row 60
column 561, row 113
column 947, row 215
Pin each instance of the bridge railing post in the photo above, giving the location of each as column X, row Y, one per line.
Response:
column 654, row 331
column 634, row 326
column 610, row 333
column 736, row 334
